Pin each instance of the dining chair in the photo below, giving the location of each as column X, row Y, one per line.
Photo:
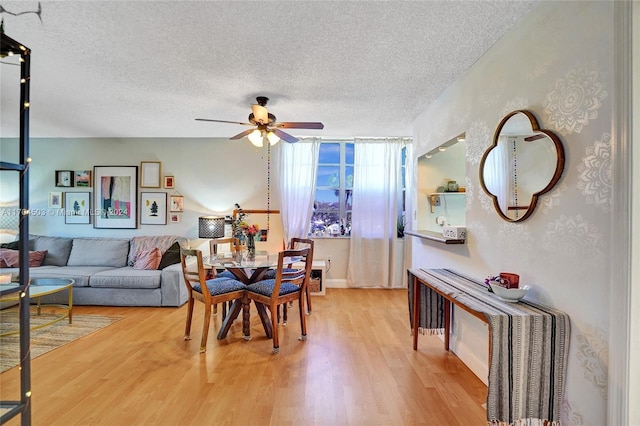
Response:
column 294, row 243
column 284, row 288
column 234, row 247
column 208, row 291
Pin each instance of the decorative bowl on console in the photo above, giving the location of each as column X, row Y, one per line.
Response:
column 512, row 295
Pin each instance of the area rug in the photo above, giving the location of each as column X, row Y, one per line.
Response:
column 47, row 338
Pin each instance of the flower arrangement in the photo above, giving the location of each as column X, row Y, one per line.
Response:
column 238, row 224
column 495, row 279
column 252, row 230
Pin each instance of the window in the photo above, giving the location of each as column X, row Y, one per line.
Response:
column 403, row 193
column 334, row 190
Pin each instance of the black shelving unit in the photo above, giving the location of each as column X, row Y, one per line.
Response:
column 22, row 404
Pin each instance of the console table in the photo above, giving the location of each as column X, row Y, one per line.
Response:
column 528, row 343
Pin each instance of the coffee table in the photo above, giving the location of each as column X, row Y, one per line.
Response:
column 38, row 288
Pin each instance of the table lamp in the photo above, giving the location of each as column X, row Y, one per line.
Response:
column 211, row 227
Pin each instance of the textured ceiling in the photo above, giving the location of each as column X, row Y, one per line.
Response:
column 149, row 68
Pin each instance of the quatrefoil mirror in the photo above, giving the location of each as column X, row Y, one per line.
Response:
column 523, row 163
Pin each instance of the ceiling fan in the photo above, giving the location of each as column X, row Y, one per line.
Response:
column 266, row 125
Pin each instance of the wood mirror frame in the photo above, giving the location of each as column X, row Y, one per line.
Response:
column 534, row 151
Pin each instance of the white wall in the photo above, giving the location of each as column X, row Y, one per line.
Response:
column 557, row 63
column 211, row 174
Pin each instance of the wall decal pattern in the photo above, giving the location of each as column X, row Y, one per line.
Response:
column 595, row 174
column 574, row 101
column 552, row 198
column 514, row 105
column 478, row 140
column 570, row 415
column 470, row 190
column 487, row 203
column 593, row 354
column 514, row 236
column 575, row 237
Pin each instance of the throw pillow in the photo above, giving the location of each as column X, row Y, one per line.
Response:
column 148, row 259
column 13, row 245
column 10, row 258
column 171, row 256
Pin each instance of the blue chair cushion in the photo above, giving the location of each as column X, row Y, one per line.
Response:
column 218, row 286
column 225, row 274
column 265, row 287
column 271, row 273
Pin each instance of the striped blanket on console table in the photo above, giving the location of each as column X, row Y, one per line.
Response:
column 529, row 347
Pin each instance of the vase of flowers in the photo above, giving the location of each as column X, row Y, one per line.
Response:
column 251, row 231
column 238, row 225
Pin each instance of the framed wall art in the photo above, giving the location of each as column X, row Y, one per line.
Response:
column 150, row 172
column 65, row 178
column 175, row 217
column 55, row 200
column 153, row 208
column 169, row 182
column 115, row 197
column 77, row 207
column 177, row 203
column 83, row 178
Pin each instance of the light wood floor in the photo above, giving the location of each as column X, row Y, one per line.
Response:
column 356, row 368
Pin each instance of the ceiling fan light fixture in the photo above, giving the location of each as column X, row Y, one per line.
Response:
column 255, row 138
column 273, row 138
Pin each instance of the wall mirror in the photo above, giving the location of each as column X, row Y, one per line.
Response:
column 523, row 163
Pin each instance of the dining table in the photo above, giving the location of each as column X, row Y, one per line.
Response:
column 247, row 271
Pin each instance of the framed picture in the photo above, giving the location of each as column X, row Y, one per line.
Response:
column 177, row 203
column 150, row 174
column 115, row 197
column 175, row 217
column 65, row 178
column 153, row 208
column 77, row 208
column 55, row 200
column 169, row 182
column 83, row 178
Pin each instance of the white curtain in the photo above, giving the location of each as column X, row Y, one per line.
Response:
column 497, row 172
column 296, row 183
column 375, row 212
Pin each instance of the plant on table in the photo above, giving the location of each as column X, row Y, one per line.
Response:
column 494, row 279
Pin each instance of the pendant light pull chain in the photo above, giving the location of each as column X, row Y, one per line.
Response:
column 268, row 184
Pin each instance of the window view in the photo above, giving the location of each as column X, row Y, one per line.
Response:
column 403, row 193
column 334, row 190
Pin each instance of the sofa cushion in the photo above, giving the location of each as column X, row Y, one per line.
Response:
column 171, row 256
column 148, row 259
column 126, row 277
column 162, row 242
column 11, row 258
column 80, row 274
column 99, row 252
column 58, row 249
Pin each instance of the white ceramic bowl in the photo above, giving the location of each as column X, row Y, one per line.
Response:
column 509, row 294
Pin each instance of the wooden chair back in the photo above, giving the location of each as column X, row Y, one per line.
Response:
column 193, row 276
column 234, row 244
column 300, row 278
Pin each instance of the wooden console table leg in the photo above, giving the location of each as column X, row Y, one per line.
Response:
column 447, row 323
column 416, row 311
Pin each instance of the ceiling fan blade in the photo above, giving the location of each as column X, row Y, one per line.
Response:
column 224, row 121
column 285, row 136
column 299, row 125
column 242, row 135
column 260, row 113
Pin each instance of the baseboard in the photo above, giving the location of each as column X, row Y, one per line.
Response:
column 336, row 283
